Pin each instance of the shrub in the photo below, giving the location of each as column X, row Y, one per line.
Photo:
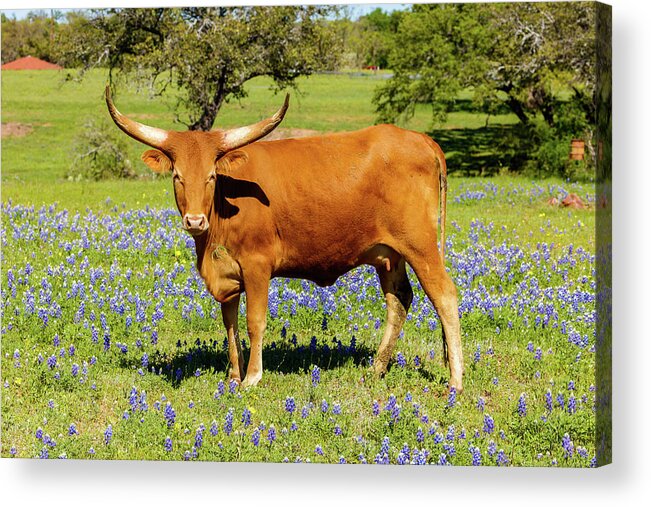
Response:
column 99, row 153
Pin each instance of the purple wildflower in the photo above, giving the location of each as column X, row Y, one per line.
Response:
column 108, row 435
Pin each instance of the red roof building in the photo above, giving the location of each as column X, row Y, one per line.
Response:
column 30, row 63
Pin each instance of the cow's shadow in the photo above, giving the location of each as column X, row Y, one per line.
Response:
column 286, row 358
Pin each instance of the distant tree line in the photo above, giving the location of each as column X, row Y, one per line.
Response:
column 536, row 60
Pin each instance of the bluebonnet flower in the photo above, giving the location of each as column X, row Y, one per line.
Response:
column 450, row 434
column 316, row 376
column 495, row 381
column 538, row 354
column 228, row 422
column 492, row 448
column 548, row 400
column 39, row 434
column 290, row 404
column 403, row 455
column 169, row 414
column 338, row 431
column 336, row 408
column 271, row 434
column 305, row 411
column 324, row 406
column 108, row 435
column 191, row 404
column 477, row 355
column 480, row 404
column 400, row 358
column 417, row 361
column 476, row 455
column 560, row 400
column 376, row 408
column 75, row 369
column 501, row 459
column 220, row 389
column 214, row 430
column 246, row 417
column 342, row 460
column 568, row 446
column 167, row 445
column 198, row 438
column 571, row 404
column 50, row 404
column 489, row 424
column 13, row 451
column 452, row 397
column 145, row 360
column 442, row 460
column 232, row 385
column 318, row 450
column 420, row 436
column 52, row 361
column 293, row 427
column 522, row 405
column 530, row 347
column 255, row 437
column 44, row 453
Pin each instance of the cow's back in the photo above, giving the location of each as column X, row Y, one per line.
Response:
column 332, row 197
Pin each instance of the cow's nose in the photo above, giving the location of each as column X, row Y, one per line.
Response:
column 195, row 223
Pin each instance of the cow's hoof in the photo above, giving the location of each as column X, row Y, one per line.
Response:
column 456, row 385
column 251, row 380
column 380, row 369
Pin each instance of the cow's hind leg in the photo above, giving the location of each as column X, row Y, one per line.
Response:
column 398, row 294
column 230, row 311
column 441, row 291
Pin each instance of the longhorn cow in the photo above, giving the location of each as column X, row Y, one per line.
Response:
column 310, row 208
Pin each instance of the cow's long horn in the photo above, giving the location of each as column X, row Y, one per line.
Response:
column 152, row 136
column 238, row 137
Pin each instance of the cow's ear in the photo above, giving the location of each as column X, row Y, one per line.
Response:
column 157, row 161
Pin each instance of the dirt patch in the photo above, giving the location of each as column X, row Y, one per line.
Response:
column 282, row 133
column 16, row 129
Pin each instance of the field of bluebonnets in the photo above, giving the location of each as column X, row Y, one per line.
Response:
column 113, row 349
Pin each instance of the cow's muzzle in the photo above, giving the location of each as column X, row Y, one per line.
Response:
column 195, row 224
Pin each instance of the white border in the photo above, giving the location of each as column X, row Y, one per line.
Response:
column 626, row 482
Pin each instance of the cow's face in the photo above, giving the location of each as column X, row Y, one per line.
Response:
column 191, row 157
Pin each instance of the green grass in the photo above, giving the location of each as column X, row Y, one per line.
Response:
column 484, row 216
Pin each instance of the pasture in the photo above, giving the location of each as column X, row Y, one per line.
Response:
column 113, row 349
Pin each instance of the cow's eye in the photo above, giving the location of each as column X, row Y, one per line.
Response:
column 212, row 177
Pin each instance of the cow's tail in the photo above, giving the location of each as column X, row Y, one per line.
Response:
column 443, row 199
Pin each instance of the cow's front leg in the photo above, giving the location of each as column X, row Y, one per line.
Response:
column 257, row 296
column 235, row 358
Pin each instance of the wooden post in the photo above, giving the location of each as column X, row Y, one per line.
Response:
column 577, row 149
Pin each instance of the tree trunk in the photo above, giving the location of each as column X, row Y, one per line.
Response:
column 518, row 109
column 209, row 113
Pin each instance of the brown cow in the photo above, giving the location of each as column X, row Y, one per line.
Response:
column 310, row 208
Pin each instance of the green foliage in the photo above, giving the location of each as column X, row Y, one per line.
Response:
column 536, row 59
column 32, row 36
column 99, row 153
column 207, row 53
